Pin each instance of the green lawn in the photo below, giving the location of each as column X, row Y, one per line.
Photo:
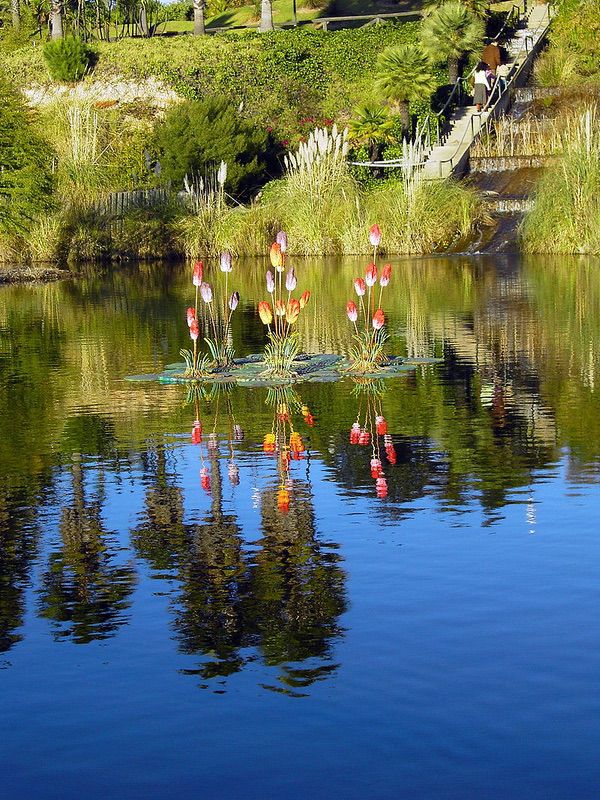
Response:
column 283, row 13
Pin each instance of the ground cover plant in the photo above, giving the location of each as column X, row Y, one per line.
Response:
column 573, row 54
column 286, row 81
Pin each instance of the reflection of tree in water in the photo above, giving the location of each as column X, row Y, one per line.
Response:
column 298, row 588
column 18, row 546
column 283, row 600
column 209, row 614
column 83, row 591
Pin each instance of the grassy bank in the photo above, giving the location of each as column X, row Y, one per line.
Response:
column 572, row 61
column 257, row 97
column 566, row 214
column 286, row 81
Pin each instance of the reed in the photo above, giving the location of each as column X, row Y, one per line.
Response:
column 325, row 210
column 566, row 214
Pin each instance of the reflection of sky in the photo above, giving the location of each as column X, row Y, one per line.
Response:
column 467, row 661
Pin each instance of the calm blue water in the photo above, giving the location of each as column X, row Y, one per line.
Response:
column 161, row 639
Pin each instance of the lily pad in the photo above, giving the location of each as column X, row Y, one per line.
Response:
column 315, row 368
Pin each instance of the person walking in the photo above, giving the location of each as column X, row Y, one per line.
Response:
column 481, row 86
column 502, row 73
column 492, row 56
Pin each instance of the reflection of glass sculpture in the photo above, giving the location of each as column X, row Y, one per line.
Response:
column 370, row 429
column 277, row 599
column 218, row 395
column 284, row 442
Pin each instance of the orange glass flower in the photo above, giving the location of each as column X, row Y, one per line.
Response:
column 277, row 257
column 292, row 311
column 305, row 297
column 265, row 312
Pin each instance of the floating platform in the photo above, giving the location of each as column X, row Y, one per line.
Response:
column 250, row 371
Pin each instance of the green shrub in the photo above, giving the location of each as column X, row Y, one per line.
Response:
column 68, row 59
column 25, row 166
column 197, row 135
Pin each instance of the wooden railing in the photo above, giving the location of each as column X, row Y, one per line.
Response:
column 116, row 204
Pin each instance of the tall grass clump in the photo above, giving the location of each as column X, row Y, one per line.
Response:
column 556, row 67
column 325, row 210
column 566, row 214
column 318, row 196
column 315, row 202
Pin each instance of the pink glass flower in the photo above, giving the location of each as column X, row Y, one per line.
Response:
column 198, row 273
column 206, row 292
column 234, row 300
column 270, row 282
column 226, row 264
column 375, row 235
column 360, row 287
column 378, row 320
column 191, row 315
column 194, row 330
column 290, row 280
column 371, row 275
column 282, row 241
column 386, row 274
column 351, row 311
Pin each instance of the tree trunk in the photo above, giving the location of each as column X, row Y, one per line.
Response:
column 374, row 150
column 404, row 116
column 199, row 26
column 143, row 20
column 266, row 16
column 56, row 21
column 452, row 69
column 15, row 9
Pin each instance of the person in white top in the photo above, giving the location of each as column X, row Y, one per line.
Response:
column 481, row 86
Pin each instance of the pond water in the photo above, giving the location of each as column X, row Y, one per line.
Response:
column 166, row 630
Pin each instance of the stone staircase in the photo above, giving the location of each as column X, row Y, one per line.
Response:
column 452, row 156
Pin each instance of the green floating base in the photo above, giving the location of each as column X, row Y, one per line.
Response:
column 307, row 369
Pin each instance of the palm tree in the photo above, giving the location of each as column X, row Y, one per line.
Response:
column 56, row 19
column 266, row 16
column 403, row 76
column 449, row 33
column 479, row 7
column 371, row 126
column 199, row 27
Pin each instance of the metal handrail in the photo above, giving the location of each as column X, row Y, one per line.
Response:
column 461, row 82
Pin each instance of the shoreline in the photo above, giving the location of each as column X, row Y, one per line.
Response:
column 13, row 275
